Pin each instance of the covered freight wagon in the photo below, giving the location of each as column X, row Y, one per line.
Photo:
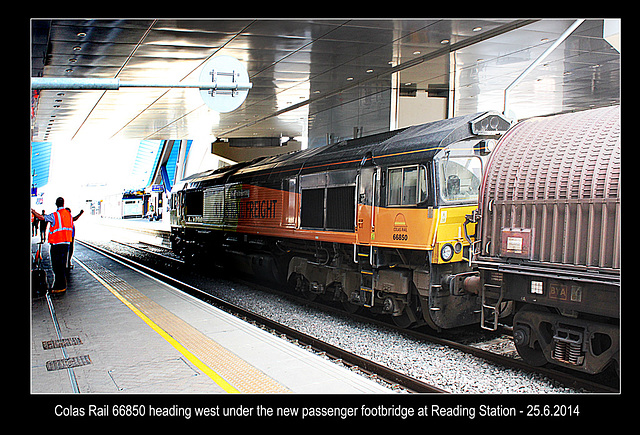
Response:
column 550, row 238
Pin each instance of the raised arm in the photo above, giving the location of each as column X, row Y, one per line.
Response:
column 37, row 215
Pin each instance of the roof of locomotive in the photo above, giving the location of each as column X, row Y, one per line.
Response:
column 392, row 146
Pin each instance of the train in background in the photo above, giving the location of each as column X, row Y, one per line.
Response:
column 376, row 222
column 131, row 204
column 549, row 238
column 123, row 205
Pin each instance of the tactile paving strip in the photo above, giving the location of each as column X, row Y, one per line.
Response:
column 241, row 376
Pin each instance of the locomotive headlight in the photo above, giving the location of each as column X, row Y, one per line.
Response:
column 446, row 253
column 491, row 123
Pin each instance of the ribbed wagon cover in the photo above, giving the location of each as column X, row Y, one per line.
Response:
column 554, row 182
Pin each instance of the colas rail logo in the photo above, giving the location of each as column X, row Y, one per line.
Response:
column 400, row 231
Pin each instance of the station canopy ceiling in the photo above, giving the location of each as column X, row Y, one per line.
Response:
column 297, row 64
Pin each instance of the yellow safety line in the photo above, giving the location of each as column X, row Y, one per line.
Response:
column 191, row 357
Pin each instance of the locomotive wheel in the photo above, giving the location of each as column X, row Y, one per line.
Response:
column 403, row 320
column 310, row 296
column 299, row 283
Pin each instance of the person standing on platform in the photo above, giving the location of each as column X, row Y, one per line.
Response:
column 43, row 229
column 34, row 227
column 60, row 236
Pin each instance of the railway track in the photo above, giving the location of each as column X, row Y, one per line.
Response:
column 367, row 367
column 161, row 256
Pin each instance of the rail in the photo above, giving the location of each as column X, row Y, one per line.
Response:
column 570, row 379
column 392, row 376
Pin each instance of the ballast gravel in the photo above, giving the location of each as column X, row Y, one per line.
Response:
column 446, row 368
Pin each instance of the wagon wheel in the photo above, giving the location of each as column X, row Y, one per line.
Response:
column 525, row 341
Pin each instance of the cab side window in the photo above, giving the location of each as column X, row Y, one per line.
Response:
column 407, row 185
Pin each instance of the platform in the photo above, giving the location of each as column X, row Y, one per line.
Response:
column 121, row 331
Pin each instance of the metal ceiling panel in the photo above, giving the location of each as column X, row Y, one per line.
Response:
column 323, row 70
column 582, row 72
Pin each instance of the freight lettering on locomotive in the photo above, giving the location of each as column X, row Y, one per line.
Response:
column 262, row 209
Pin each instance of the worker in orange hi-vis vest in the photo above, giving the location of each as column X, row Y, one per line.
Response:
column 60, row 237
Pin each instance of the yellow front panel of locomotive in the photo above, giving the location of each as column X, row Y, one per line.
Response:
column 450, row 230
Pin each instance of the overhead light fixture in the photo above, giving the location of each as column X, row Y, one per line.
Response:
column 77, row 48
column 369, row 71
column 416, row 52
column 444, row 41
column 349, row 78
column 476, row 29
column 81, row 35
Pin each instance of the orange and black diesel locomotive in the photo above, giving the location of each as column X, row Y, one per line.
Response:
column 375, row 222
